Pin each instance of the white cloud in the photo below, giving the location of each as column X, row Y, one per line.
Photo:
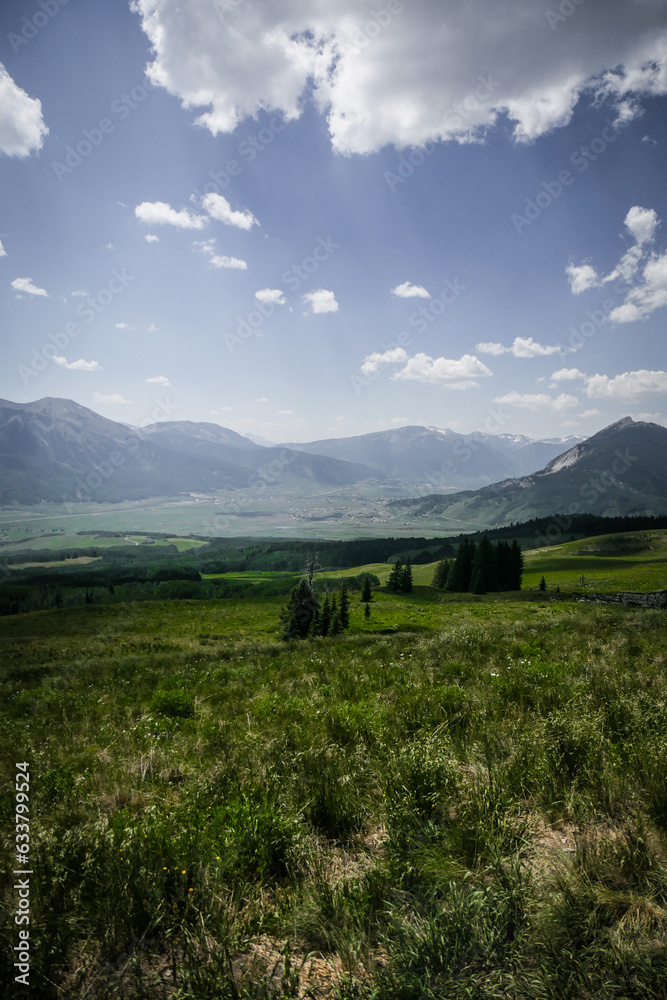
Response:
column 285, row 413
column 522, row 347
column 228, row 262
column 272, row 295
column 322, row 301
column 490, row 348
column 3, row 252
column 109, row 246
column 589, row 413
column 153, row 328
column 567, row 375
column 409, row 291
column 373, row 362
column 78, row 366
column 159, row 213
column 151, row 238
column 79, row 293
column 453, row 373
column 460, row 66
column 581, row 277
column 159, row 380
column 261, row 399
column 220, row 209
column 649, row 291
column 98, row 397
column 26, row 285
column 538, row 401
column 22, row 127
column 629, row 385
column 124, row 326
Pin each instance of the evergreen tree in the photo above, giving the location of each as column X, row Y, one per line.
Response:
column 336, row 624
column 367, row 611
column 406, row 578
column 543, row 584
column 458, row 580
column 483, row 572
column 296, row 618
column 325, row 617
column 344, row 611
column 366, row 594
column 503, row 564
column 440, row 574
column 395, row 577
column 517, row 567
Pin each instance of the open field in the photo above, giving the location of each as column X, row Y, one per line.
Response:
column 455, row 799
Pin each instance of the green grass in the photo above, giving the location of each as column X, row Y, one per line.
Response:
column 472, row 806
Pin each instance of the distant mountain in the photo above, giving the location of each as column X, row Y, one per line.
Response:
column 58, row 451
column 620, row 470
column 442, row 458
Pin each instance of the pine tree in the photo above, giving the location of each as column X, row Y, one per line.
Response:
column 458, row 580
column 325, row 617
column 543, row 584
column 440, row 574
column 394, row 581
column 336, row 624
column 296, row 618
column 503, row 563
column 366, row 594
column 367, row 611
column 406, row 579
column 344, row 611
column 483, row 573
column 517, row 567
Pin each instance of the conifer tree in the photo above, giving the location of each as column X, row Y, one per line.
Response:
column 325, row 617
column 366, row 594
column 440, row 574
column 458, row 580
column 406, row 578
column 297, row 616
column 543, row 584
column 483, row 572
column 367, row 611
column 344, row 609
column 336, row 625
column 395, row 577
column 517, row 567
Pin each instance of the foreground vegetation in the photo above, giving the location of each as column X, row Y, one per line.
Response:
column 473, row 806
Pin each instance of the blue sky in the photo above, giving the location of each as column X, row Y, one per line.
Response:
column 307, row 219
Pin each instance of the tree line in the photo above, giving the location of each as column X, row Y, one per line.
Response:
column 481, row 568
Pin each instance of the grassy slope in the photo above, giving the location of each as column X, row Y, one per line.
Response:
column 475, row 809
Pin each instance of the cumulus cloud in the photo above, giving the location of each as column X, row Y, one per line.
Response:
column 115, row 397
column 124, row 326
column 159, row 213
column 567, row 375
column 220, row 209
column 3, row 252
column 274, row 53
column 271, row 295
column 629, row 385
column 151, row 238
column 22, row 127
column 373, row 362
column 640, row 266
column 26, row 285
column 78, row 366
column 218, row 260
column 321, row 301
column 522, row 347
column 159, row 380
column 452, row 373
column 538, row 401
column 589, row 413
column 409, row 291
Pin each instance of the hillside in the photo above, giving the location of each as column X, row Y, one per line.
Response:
column 620, row 470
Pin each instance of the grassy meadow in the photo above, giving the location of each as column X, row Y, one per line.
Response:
column 459, row 798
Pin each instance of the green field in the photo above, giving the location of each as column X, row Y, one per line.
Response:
column 465, row 796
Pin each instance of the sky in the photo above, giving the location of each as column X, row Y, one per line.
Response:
column 305, row 219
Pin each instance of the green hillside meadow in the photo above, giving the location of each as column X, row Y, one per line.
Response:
column 465, row 796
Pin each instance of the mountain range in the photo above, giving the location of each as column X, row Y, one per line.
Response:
column 55, row 450
column 621, row 470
